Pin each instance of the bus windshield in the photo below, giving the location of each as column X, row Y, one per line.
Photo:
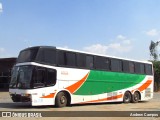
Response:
column 21, row 77
column 13, row 82
column 28, row 77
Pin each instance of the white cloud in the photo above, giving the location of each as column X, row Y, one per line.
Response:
column 121, row 37
column 152, row 32
column 2, row 52
column 120, row 46
column 97, row 48
column 126, row 42
column 1, row 7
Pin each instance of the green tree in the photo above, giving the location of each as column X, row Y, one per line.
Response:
column 153, row 50
column 156, row 64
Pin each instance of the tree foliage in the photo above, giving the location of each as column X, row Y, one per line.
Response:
column 153, row 50
column 156, row 64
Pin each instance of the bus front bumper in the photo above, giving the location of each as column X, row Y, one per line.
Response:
column 21, row 97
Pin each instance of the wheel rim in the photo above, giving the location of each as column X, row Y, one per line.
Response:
column 136, row 96
column 63, row 99
column 127, row 98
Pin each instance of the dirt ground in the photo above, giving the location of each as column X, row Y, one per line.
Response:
column 6, row 104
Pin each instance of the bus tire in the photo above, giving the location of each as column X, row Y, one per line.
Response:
column 135, row 97
column 61, row 100
column 127, row 97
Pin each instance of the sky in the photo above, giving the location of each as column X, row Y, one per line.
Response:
column 121, row 28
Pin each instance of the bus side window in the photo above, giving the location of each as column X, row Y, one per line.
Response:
column 148, row 69
column 116, row 65
column 39, row 77
column 70, row 59
column 102, row 63
column 89, row 62
column 131, row 67
column 61, row 58
column 142, row 70
column 47, row 56
column 81, row 60
column 51, row 77
column 66, row 59
column 125, row 66
column 139, row 68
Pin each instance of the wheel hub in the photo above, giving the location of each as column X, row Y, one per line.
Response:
column 62, row 100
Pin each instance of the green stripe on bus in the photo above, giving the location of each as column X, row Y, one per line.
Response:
column 99, row 82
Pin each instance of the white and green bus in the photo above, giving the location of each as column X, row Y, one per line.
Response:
column 45, row 75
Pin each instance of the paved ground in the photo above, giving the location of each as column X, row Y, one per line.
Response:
column 6, row 104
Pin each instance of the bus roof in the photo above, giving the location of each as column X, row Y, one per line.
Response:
column 90, row 53
column 102, row 55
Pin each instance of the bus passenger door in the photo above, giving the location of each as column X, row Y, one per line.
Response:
column 43, row 79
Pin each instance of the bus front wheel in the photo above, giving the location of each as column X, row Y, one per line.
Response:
column 127, row 97
column 61, row 100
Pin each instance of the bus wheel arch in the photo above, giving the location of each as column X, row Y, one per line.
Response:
column 127, row 97
column 62, row 99
column 136, row 97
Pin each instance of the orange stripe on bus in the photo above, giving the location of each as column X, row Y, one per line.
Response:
column 49, row 96
column 77, row 85
column 145, row 85
column 71, row 88
column 105, row 99
column 132, row 91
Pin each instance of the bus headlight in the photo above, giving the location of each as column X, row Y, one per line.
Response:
column 25, row 95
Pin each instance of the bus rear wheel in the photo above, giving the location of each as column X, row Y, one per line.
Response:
column 61, row 100
column 135, row 97
column 127, row 97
